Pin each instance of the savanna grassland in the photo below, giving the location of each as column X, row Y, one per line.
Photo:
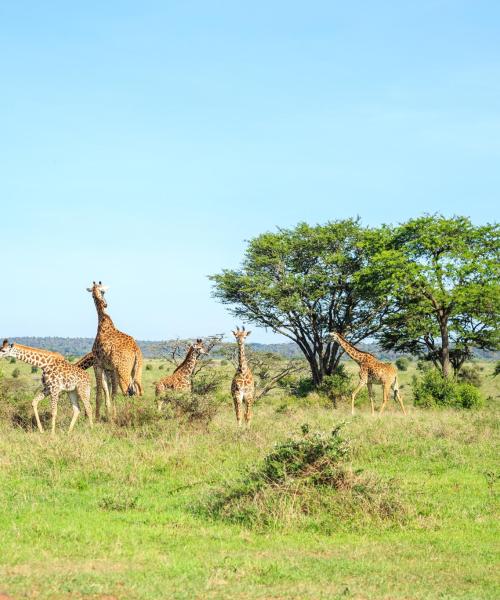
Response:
column 127, row 510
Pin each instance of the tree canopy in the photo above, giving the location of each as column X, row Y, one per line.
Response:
column 304, row 282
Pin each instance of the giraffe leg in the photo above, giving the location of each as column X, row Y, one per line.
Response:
column 237, row 399
column 370, row 394
column 34, row 404
column 54, row 397
column 73, row 396
column 98, row 391
column 105, row 387
column 84, row 395
column 248, row 408
column 399, row 398
column 386, row 389
column 355, row 393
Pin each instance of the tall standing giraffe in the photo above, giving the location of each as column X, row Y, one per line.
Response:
column 180, row 379
column 58, row 375
column 243, row 385
column 116, row 355
column 371, row 370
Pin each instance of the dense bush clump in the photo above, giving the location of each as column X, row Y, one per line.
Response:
column 402, row 363
column 433, row 390
column 470, row 374
column 337, row 386
column 191, row 408
column 306, row 481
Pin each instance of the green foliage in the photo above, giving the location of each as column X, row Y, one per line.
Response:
column 470, row 374
column 298, row 386
column 337, row 386
column 434, row 390
column 303, row 283
column 16, row 372
column 497, row 369
column 402, row 363
column 443, row 278
column 306, row 480
column 191, row 408
column 149, row 367
column 34, row 369
column 13, row 360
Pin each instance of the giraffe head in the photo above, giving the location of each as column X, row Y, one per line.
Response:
column 98, row 290
column 241, row 334
column 334, row 335
column 7, row 349
column 199, row 347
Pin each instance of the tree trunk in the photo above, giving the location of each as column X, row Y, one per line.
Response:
column 445, row 347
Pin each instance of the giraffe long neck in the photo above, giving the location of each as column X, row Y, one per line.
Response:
column 353, row 352
column 34, row 356
column 242, row 359
column 188, row 364
column 103, row 319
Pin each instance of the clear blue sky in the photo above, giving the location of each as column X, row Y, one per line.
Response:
column 141, row 143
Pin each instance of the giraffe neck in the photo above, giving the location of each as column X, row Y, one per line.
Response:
column 35, row 356
column 242, row 359
column 103, row 319
column 353, row 352
column 187, row 365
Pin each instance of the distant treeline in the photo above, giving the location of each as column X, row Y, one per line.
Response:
column 159, row 349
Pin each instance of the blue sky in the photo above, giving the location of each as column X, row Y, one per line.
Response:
column 141, row 143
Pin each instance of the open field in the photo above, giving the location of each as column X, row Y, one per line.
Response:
column 117, row 512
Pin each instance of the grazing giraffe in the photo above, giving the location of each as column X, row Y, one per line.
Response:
column 180, row 379
column 371, row 370
column 117, row 357
column 242, row 386
column 58, row 375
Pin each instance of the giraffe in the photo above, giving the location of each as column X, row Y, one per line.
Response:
column 180, row 379
column 58, row 375
column 371, row 370
column 117, row 357
column 242, row 386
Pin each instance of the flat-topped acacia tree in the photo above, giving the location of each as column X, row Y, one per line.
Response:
column 304, row 282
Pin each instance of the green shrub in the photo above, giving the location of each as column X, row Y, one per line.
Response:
column 470, row 374
column 13, row 360
column 149, row 367
column 161, row 367
column 337, row 386
column 191, row 408
column 297, row 386
column 305, row 481
column 497, row 369
column 16, row 372
column 432, row 389
column 402, row 363
column 34, row 369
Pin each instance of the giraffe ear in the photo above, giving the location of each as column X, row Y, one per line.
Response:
column 89, row 289
column 5, row 343
column 249, row 332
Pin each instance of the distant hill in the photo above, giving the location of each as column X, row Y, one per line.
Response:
column 158, row 349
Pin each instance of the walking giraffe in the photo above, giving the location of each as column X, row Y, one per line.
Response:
column 180, row 379
column 243, row 386
column 371, row 370
column 117, row 357
column 58, row 375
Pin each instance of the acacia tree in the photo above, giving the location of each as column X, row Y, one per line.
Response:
column 442, row 278
column 305, row 282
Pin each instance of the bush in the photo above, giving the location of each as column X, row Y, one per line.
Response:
column 297, row 386
column 191, row 408
column 432, row 389
column 470, row 374
column 34, row 369
column 13, row 360
column 402, row 363
column 161, row 367
column 305, row 481
column 149, row 367
column 206, row 382
column 16, row 372
column 337, row 386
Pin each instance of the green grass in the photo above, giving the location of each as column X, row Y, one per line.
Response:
column 114, row 512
